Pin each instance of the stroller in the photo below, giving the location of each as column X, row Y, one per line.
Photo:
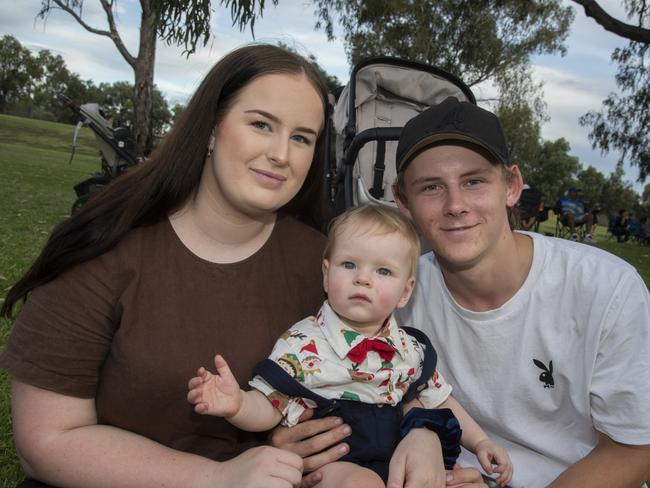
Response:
column 116, row 147
column 382, row 95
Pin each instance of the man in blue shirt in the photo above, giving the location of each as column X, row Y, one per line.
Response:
column 573, row 213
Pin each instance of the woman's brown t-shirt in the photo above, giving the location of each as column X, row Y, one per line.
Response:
column 132, row 326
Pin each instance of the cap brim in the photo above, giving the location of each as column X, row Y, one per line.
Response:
column 443, row 137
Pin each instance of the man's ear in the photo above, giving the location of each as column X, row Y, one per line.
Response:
column 406, row 294
column 401, row 205
column 325, row 268
column 515, row 185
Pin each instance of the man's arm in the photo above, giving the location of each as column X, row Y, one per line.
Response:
column 608, row 464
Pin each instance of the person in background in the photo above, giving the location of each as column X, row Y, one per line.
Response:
column 573, row 213
column 622, row 226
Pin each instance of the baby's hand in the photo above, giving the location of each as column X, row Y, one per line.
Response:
column 490, row 454
column 215, row 394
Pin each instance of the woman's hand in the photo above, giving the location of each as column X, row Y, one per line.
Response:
column 261, row 467
column 417, row 462
column 316, row 441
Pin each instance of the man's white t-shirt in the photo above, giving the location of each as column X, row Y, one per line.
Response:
column 567, row 355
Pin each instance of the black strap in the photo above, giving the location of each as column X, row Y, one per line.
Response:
column 377, row 189
column 279, row 379
column 429, row 366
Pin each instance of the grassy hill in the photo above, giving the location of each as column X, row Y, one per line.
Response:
column 36, row 193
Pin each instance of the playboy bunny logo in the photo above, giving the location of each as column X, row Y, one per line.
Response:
column 546, row 376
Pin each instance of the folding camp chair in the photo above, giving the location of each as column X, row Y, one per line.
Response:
column 531, row 209
column 562, row 229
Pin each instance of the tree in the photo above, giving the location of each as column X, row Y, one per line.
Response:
column 56, row 79
column 555, row 170
column 521, row 110
column 333, row 83
column 181, row 22
column 18, row 70
column 476, row 39
column 624, row 121
column 592, row 182
column 617, row 194
column 609, row 23
column 30, row 82
column 117, row 104
column 177, row 110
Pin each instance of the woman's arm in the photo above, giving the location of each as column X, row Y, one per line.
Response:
column 59, row 442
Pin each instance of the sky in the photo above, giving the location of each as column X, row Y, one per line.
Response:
column 573, row 84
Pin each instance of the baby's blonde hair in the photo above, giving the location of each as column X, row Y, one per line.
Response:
column 377, row 219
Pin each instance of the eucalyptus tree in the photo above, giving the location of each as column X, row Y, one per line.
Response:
column 184, row 23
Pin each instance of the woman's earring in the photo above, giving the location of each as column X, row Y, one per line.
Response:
column 209, row 155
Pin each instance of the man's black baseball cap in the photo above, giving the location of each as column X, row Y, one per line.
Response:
column 452, row 120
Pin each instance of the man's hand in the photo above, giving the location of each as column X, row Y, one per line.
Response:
column 316, row 441
column 417, row 462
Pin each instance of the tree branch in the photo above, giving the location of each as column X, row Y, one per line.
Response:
column 609, row 23
column 112, row 34
column 115, row 36
column 78, row 18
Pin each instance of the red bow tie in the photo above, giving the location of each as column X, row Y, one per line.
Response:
column 358, row 353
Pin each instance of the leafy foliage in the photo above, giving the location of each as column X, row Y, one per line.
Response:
column 42, row 76
column 475, row 39
column 521, row 110
column 555, row 169
column 181, row 22
column 623, row 124
column 116, row 102
column 186, row 23
column 17, row 71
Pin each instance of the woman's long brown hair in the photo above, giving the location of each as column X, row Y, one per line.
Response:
column 148, row 193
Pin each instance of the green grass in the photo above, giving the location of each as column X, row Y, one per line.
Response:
column 635, row 254
column 37, row 192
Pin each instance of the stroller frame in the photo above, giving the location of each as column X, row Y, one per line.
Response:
column 115, row 147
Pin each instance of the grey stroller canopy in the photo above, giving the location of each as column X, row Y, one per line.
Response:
column 382, row 95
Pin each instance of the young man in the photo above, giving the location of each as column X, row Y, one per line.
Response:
column 547, row 339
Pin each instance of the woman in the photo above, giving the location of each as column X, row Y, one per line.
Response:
column 200, row 246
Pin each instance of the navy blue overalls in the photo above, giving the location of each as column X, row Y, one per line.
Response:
column 376, row 429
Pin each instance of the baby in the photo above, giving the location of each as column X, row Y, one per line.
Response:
column 353, row 360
